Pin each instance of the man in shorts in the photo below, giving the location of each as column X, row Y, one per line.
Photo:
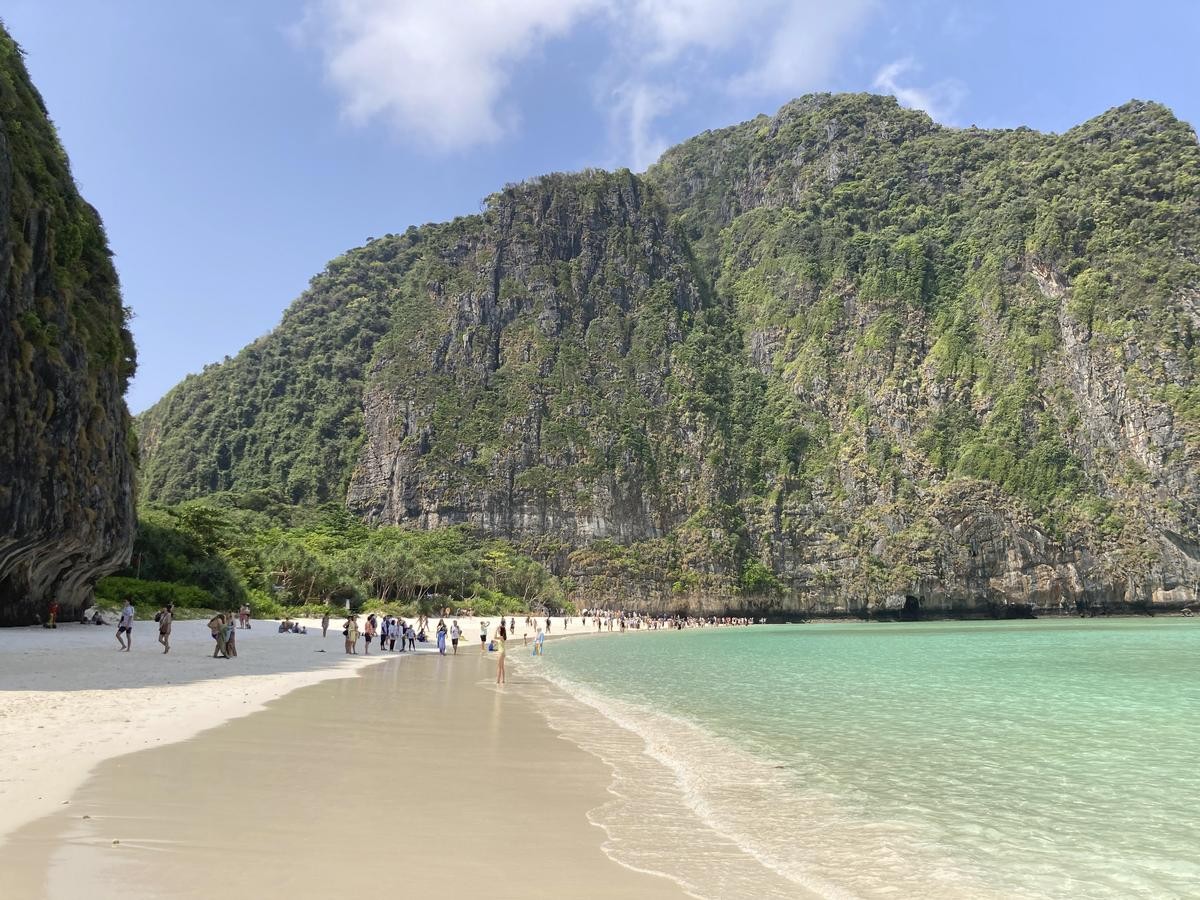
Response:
column 455, row 634
column 125, row 627
column 483, row 627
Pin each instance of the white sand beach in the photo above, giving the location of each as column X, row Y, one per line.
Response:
column 69, row 699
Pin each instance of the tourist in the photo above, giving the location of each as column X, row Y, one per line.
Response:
column 402, row 633
column 230, row 636
column 483, row 627
column 164, row 617
column 369, row 633
column 351, row 633
column 125, row 626
column 500, row 639
column 538, row 642
column 411, row 634
column 53, row 622
column 325, row 624
column 455, row 634
column 216, row 625
column 441, row 636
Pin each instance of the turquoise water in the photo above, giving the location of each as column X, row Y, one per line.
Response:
column 1031, row 759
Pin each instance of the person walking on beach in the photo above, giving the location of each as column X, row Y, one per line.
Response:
column 125, row 626
column 216, row 625
column 325, row 624
column 230, row 636
column 455, row 634
column 441, row 636
column 164, row 617
column 500, row 641
column 351, row 633
column 483, row 627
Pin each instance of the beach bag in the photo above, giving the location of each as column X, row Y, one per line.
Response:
column 158, row 617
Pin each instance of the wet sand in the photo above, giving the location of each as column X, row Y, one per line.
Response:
column 417, row 775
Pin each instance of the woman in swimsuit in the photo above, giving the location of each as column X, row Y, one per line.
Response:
column 501, row 636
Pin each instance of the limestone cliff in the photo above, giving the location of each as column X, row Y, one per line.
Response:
column 66, row 450
column 837, row 359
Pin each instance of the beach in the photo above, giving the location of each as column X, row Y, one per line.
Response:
column 419, row 771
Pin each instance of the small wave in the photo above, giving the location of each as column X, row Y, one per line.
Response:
column 724, row 822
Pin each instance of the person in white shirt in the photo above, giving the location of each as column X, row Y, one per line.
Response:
column 125, row 627
column 455, row 634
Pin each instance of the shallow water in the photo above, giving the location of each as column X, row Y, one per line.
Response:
column 1030, row 759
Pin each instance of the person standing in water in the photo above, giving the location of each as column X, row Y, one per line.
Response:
column 441, row 636
column 125, row 626
column 455, row 634
column 500, row 641
column 483, row 627
column 325, row 624
column 165, row 615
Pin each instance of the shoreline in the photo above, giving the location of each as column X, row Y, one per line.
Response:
column 69, row 700
column 423, row 771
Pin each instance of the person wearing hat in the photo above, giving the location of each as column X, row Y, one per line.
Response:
column 351, row 633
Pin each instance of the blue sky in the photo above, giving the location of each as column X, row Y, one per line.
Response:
column 234, row 147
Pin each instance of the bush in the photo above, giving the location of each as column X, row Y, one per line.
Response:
column 150, row 596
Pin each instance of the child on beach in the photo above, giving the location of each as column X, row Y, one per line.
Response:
column 125, row 626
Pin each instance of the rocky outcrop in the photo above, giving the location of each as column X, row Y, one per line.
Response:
column 66, row 452
column 840, row 360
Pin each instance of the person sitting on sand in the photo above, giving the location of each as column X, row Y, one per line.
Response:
column 351, row 633
column 216, row 625
column 125, row 626
column 164, row 617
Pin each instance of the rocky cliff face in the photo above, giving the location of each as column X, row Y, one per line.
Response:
column 66, row 452
column 839, row 359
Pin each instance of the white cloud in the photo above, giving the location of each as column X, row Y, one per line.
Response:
column 638, row 106
column 940, row 100
column 440, row 70
column 434, row 67
column 806, row 39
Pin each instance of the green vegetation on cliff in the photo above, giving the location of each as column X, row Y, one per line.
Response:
column 66, row 355
column 818, row 359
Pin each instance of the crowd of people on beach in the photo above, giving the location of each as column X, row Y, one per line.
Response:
column 390, row 630
column 622, row 620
